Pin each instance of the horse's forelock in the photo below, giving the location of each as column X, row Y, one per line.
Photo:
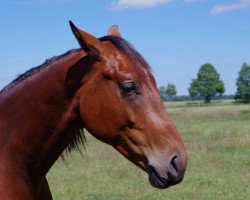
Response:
column 125, row 47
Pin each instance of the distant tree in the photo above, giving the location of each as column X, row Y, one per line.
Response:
column 162, row 91
column 194, row 88
column 207, row 84
column 171, row 90
column 243, row 84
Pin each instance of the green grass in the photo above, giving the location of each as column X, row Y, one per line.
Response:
column 217, row 139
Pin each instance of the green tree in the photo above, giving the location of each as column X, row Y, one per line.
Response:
column 243, row 84
column 171, row 90
column 162, row 91
column 207, row 84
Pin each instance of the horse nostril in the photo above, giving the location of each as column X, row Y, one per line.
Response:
column 176, row 171
column 130, row 124
column 175, row 164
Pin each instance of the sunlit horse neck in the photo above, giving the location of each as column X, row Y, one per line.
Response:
column 38, row 120
column 105, row 87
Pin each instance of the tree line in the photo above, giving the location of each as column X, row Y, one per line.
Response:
column 208, row 86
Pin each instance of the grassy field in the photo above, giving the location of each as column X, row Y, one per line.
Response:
column 217, row 138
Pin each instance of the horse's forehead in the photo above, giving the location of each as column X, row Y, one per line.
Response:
column 122, row 62
column 117, row 61
column 113, row 59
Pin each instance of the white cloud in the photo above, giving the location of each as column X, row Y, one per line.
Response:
column 118, row 5
column 218, row 9
column 125, row 4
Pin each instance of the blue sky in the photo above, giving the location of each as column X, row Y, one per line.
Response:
column 175, row 36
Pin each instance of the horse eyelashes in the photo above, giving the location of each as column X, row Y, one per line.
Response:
column 129, row 88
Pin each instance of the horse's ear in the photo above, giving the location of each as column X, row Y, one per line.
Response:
column 113, row 31
column 89, row 43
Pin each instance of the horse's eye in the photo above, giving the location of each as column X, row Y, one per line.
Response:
column 129, row 88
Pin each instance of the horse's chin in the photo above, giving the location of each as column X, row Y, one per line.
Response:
column 157, row 182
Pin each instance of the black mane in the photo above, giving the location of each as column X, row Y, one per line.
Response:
column 125, row 47
column 37, row 69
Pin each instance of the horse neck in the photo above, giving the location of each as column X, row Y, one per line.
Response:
column 37, row 117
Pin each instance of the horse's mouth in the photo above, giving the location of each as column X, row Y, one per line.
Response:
column 161, row 182
column 156, row 180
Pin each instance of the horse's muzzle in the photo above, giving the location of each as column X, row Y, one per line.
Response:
column 174, row 174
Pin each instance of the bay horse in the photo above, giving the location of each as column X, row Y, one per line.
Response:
column 106, row 87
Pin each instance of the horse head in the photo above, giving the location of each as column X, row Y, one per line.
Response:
column 119, row 104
